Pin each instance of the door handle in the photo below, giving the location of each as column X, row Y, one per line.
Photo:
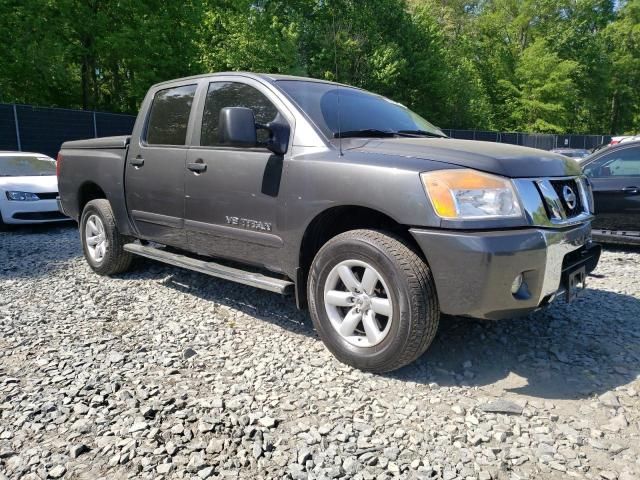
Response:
column 198, row 166
column 631, row 190
column 137, row 162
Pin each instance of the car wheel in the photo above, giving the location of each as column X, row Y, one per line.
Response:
column 372, row 300
column 101, row 241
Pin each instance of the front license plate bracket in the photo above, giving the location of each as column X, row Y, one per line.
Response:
column 575, row 283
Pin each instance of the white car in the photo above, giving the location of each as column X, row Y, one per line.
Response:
column 619, row 139
column 630, row 139
column 28, row 189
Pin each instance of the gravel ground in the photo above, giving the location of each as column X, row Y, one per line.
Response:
column 165, row 373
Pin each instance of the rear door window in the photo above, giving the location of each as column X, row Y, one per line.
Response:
column 169, row 116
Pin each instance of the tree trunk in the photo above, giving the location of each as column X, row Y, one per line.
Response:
column 613, row 118
column 84, row 73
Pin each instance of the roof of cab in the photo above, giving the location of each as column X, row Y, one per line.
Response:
column 270, row 77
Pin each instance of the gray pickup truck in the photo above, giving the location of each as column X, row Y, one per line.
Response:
column 370, row 215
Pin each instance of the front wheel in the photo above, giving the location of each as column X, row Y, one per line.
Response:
column 372, row 300
column 101, row 241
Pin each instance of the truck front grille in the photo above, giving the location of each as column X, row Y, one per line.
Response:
column 556, row 202
column 569, row 194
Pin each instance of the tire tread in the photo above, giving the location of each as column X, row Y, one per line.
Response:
column 119, row 260
column 425, row 312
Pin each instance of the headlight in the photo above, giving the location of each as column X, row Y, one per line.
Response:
column 464, row 194
column 22, row 196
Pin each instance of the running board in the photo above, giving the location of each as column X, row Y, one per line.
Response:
column 214, row 269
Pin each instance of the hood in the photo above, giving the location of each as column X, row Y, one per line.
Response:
column 43, row 184
column 497, row 158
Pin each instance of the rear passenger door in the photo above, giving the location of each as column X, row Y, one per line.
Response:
column 154, row 174
column 615, row 178
column 231, row 207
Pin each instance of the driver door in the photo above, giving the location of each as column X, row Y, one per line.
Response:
column 232, row 193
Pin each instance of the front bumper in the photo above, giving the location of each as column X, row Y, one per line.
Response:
column 38, row 211
column 474, row 271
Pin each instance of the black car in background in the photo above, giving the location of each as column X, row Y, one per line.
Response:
column 614, row 174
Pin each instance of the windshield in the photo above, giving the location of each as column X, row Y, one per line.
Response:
column 360, row 112
column 26, row 166
column 577, row 153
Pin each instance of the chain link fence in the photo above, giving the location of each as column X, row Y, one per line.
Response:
column 40, row 129
column 543, row 141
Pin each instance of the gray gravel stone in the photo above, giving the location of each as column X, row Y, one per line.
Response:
column 267, row 422
column 164, row 468
column 502, row 406
column 188, row 353
column 76, row 450
column 609, row 399
column 57, row 472
column 163, row 373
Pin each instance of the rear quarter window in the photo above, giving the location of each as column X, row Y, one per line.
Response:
column 169, row 116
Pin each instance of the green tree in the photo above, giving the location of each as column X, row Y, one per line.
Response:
column 545, row 65
column 546, row 91
column 249, row 35
column 623, row 39
column 34, row 63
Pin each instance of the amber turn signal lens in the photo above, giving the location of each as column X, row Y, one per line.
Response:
column 465, row 193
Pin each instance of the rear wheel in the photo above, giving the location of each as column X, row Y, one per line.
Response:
column 372, row 300
column 101, row 241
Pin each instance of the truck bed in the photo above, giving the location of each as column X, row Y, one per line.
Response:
column 120, row 141
column 93, row 168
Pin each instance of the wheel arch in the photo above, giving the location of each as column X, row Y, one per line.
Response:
column 334, row 221
column 92, row 190
column 88, row 191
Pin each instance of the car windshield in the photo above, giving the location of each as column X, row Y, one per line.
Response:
column 362, row 114
column 572, row 153
column 26, row 166
column 577, row 153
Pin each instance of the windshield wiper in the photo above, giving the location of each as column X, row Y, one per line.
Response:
column 374, row 132
column 420, row 133
column 365, row 132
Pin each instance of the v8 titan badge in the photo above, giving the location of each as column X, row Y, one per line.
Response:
column 249, row 224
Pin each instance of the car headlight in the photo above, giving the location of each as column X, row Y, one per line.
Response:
column 22, row 196
column 464, row 194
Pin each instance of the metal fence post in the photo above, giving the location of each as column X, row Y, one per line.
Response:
column 17, row 125
column 95, row 125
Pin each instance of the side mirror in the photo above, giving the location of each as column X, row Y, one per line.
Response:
column 237, row 127
column 279, row 137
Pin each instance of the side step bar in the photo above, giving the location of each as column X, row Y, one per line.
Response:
column 214, row 269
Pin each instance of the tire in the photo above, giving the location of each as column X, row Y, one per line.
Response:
column 403, row 279
column 3, row 226
column 113, row 259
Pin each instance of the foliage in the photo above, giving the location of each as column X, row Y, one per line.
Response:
column 546, row 92
column 533, row 65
